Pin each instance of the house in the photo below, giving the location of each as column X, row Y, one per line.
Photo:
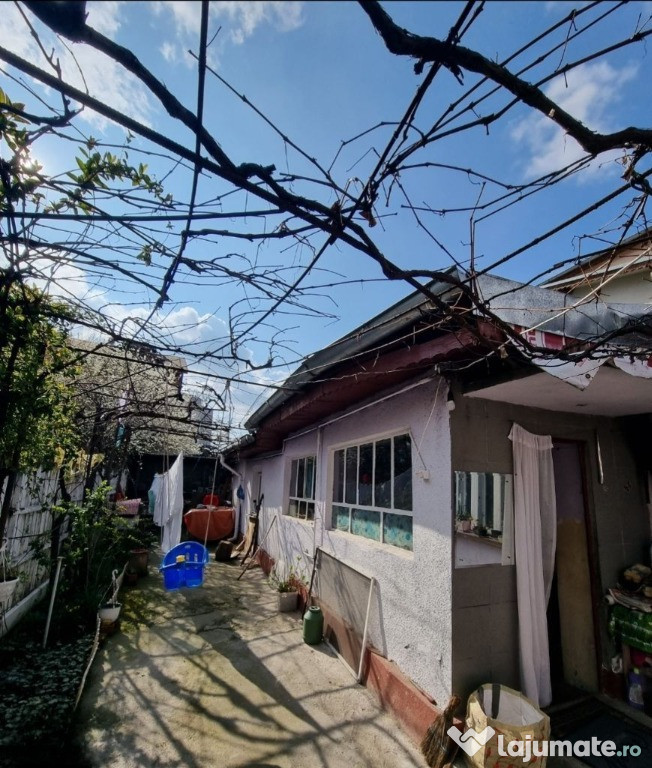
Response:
column 389, row 451
column 132, row 396
column 619, row 273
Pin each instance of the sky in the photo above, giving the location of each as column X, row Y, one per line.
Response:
column 321, row 74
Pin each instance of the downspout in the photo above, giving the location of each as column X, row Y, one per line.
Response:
column 237, row 510
column 320, row 496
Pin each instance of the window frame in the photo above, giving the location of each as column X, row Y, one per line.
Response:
column 308, row 499
column 359, row 444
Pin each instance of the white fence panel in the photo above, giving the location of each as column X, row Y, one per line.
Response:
column 32, row 499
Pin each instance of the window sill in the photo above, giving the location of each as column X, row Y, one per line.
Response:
column 309, row 523
column 371, row 544
column 482, row 539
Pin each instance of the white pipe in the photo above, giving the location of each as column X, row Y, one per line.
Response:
column 366, row 630
column 236, row 522
column 318, row 491
column 357, row 410
column 54, row 594
column 226, row 466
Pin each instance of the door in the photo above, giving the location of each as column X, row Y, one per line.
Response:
column 571, row 626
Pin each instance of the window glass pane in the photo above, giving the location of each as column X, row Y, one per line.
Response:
column 302, row 510
column 365, row 474
column 310, row 510
column 383, row 474
column 309, row 492
column 293, row 478
column 300, row 477
column 338, row 476
column 397, row 530
column 351, row 475
column 293, row 508
column 340, row 518
column 402, row 472
column 366, row 522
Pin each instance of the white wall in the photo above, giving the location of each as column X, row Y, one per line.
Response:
column 411, row 615
column 626, row 289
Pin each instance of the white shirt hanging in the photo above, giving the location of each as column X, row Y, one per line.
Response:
column 170, row 502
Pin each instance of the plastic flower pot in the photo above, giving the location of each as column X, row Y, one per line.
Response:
column 287, row 601
column 109, row 611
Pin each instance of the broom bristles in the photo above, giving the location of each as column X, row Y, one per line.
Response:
column 436, row 745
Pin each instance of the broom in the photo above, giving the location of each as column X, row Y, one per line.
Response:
column 437, row 746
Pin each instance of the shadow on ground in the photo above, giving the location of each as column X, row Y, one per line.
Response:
column 216, row 676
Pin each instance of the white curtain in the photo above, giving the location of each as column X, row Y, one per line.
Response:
column 535, row 537
column 169, row 504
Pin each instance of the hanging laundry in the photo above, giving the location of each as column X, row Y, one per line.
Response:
column 152, row 497
column 170, row 502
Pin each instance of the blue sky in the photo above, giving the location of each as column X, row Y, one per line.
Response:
column 320, row 72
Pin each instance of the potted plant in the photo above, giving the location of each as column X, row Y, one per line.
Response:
column 137, row 563
column 464, row 522
column 109, row 612
column 286, row 590
column 142, row 538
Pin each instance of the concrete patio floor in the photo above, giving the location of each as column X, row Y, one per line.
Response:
column 215, row 676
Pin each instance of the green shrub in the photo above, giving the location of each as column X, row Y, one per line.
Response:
column 39, row 688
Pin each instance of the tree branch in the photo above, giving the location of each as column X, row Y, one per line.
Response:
column 455, row 57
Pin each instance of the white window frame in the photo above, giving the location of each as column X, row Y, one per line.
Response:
column 373, row 439
column 308, row 498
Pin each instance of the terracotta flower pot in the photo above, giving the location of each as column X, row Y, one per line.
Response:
column 138, row 561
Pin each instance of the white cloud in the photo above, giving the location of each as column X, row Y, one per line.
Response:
column 60, row 279
column 186, row 15
column 589, row 93
column 178, row 327
column 169, row 52
column 104, row 16
column 240, row 19
column 103, row 77
column 245, row 17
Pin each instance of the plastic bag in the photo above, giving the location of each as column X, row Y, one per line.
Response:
column 512, row 717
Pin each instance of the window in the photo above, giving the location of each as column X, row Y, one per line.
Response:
column 483, row 505
column 301, row 501
column 372, row 490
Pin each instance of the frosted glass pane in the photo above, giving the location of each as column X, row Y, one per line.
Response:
column 397, row 530
column 366, row 522
column 340, row 518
